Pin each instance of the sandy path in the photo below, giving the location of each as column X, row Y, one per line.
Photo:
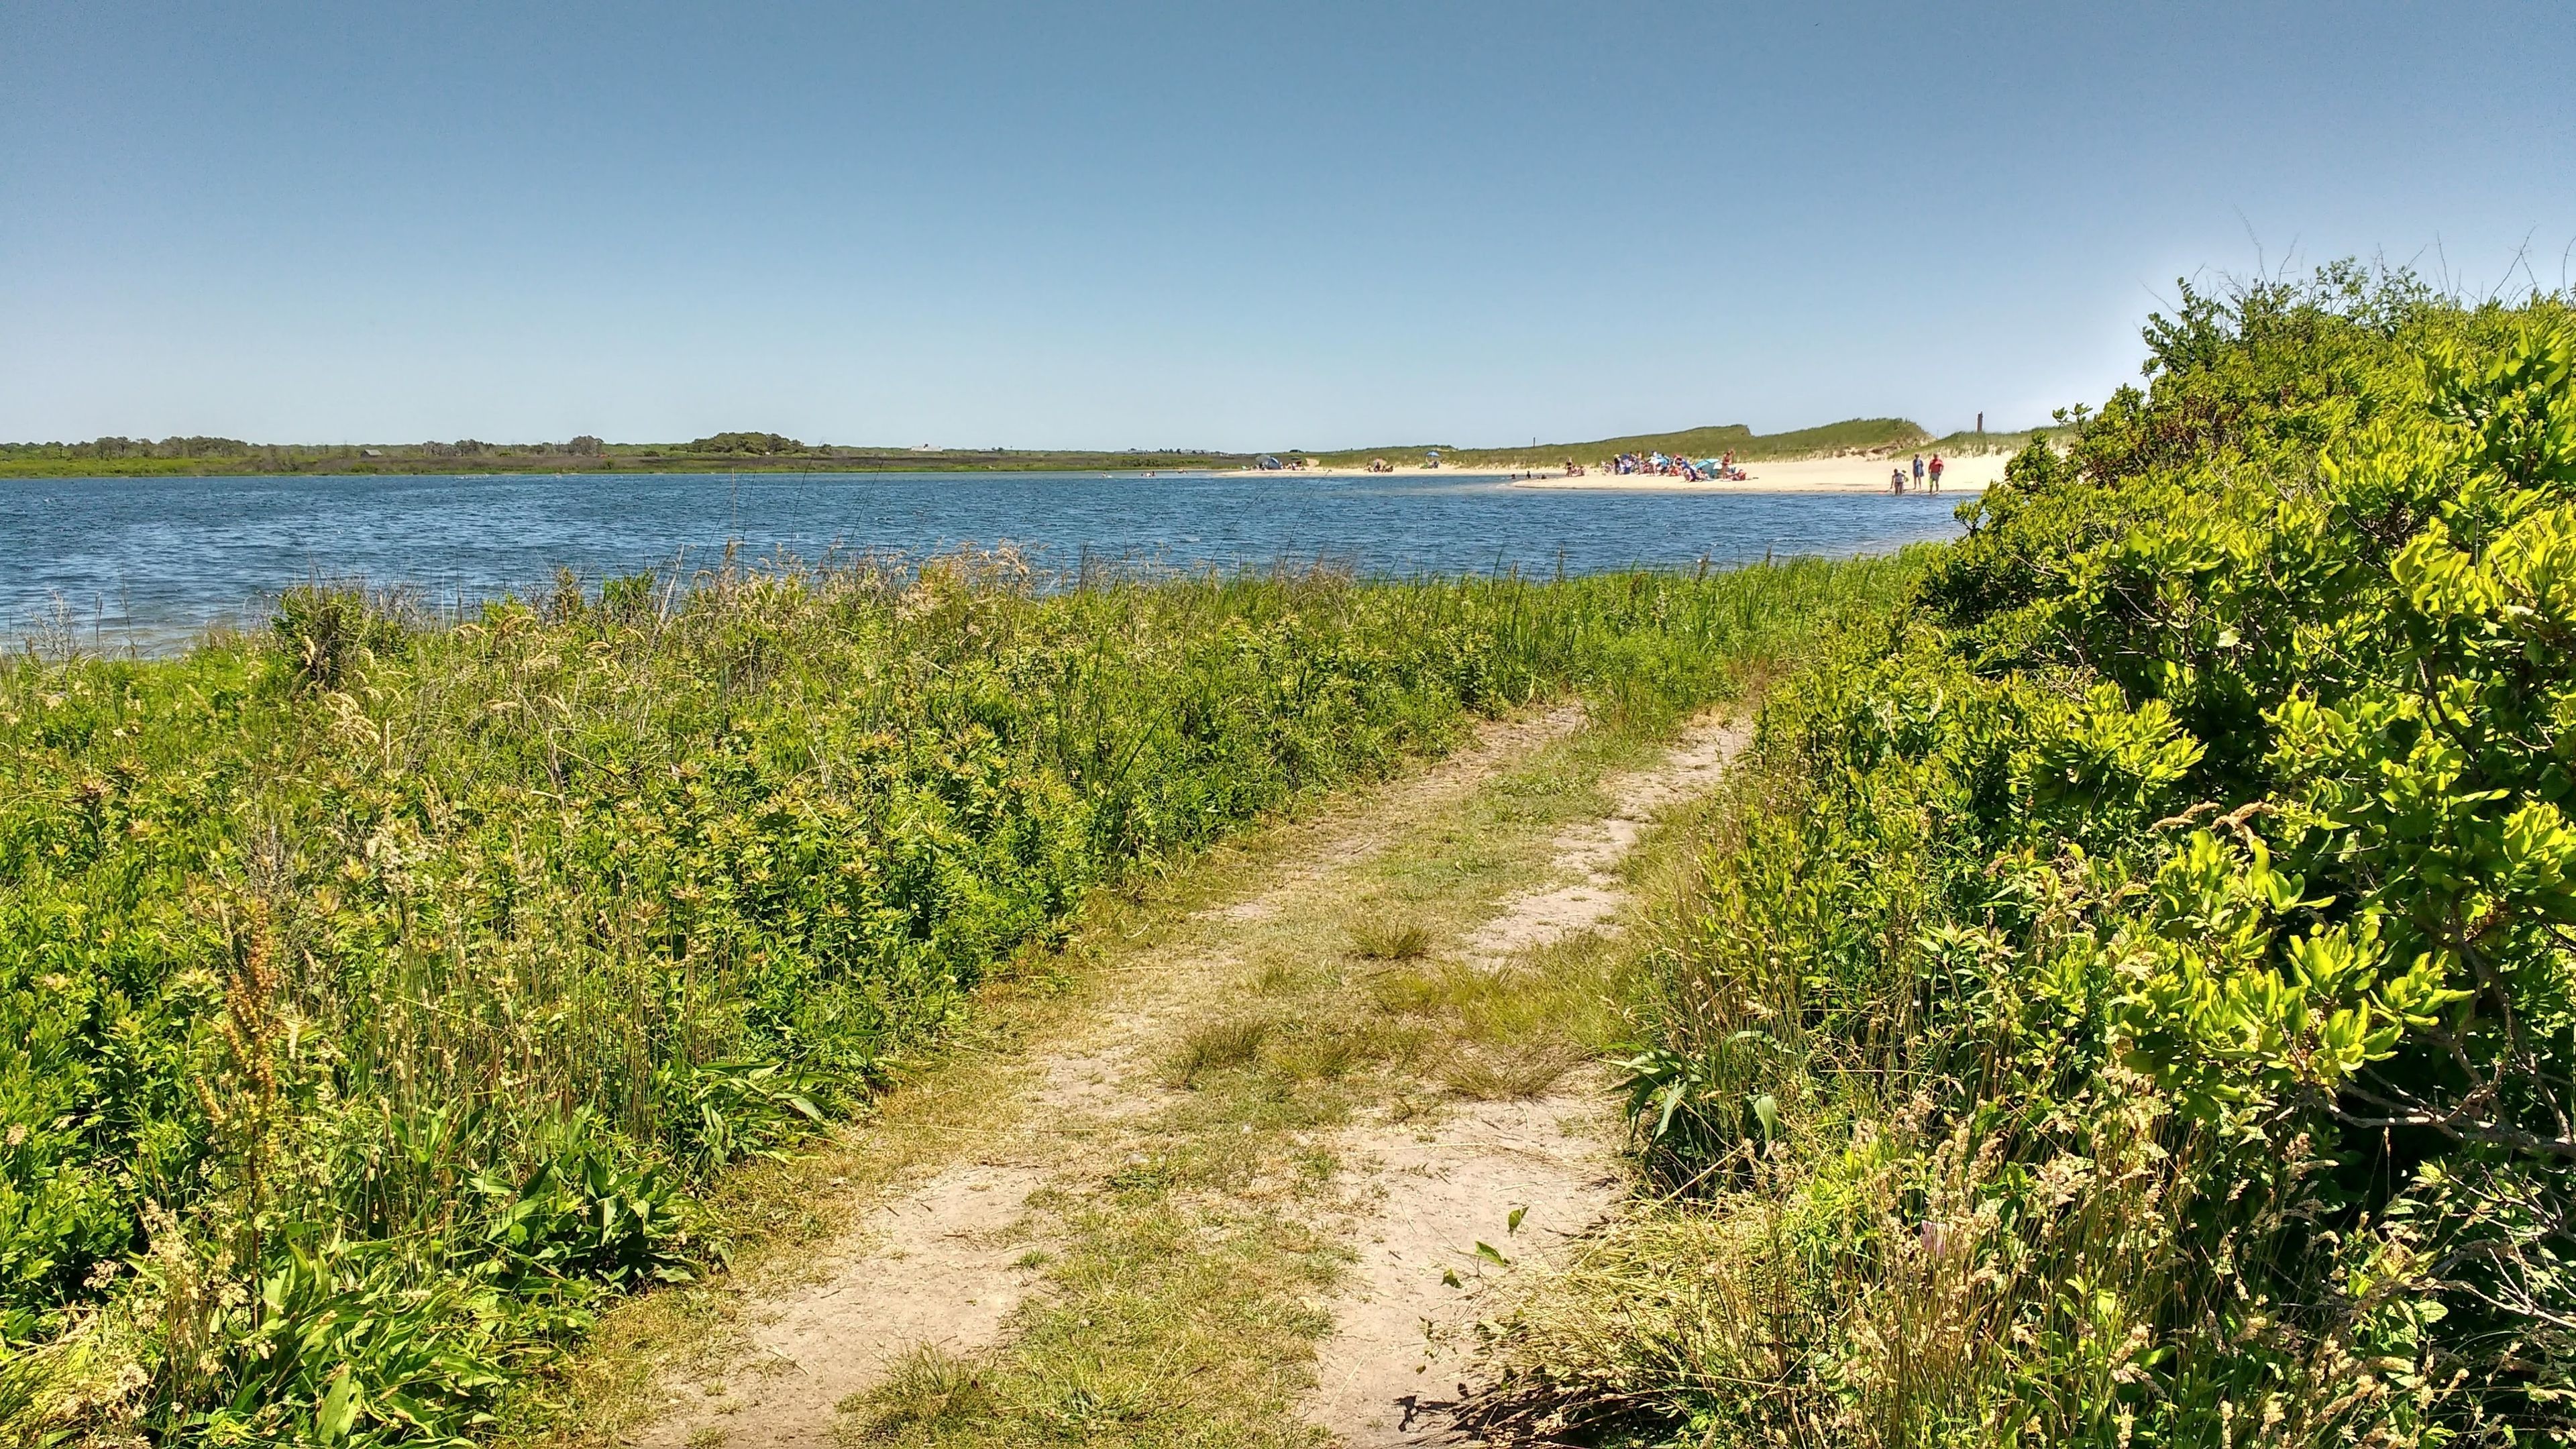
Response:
column 941, row 1263
column 935, row 1267
column 944, row 1257
column 1431, row 1198
column 1587, row 857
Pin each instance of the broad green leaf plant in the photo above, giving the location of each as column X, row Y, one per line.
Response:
column 2159, row 945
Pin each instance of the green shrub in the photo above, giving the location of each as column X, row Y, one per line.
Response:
column 326, row 631
column 2130, row 1001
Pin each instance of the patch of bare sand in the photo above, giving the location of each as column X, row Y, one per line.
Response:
column 934, row 1267
column 1392, row 1369
column 1587, row 857
column 1427, row 1197
column 937, row 1263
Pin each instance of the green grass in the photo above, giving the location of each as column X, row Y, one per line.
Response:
column 393, row 999
column 1856, row 435
column 1962, row 444
column 1381, row 940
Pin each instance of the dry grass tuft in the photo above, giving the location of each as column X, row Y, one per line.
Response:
column 1330, row 1052
column 929, row 1390
column 1214, row 1046
column 1485, row 1073
column 1391, row 940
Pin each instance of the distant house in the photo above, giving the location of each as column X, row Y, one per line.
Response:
column 371, row 452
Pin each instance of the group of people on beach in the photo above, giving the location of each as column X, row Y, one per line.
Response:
column 1926, row 479
column 1704, row 470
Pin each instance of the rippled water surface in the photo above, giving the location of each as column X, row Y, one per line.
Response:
column 149, row 561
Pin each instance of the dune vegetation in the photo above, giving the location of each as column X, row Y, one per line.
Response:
column 1877, row 437
column 376, row 999
column 2128, row 998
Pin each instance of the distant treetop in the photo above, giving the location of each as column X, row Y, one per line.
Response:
column 746, row 443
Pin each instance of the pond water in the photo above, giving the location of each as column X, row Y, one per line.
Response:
column 146, row 563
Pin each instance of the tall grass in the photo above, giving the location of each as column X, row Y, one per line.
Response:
column 376, row 996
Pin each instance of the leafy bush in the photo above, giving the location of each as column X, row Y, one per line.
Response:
column 325, row 631
column 373, row 997
column 2131, row 1002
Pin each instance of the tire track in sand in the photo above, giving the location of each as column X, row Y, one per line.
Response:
column 1393, row 1367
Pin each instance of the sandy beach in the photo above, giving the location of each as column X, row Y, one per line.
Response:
column 1973, row 473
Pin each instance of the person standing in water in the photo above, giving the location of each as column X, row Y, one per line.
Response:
column 1936, row 472
column 1895, row 480
column 1918, row 472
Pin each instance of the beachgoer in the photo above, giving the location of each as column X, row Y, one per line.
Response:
column 1895, row 480
column 1918, row 470
column 1936, row 472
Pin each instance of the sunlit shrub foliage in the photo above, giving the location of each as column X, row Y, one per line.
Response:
column 2129, row 1000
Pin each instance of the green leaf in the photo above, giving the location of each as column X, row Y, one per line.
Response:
column 1766, row 1110
column 339, row 1407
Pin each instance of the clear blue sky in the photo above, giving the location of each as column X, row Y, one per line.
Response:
column 1211, row 224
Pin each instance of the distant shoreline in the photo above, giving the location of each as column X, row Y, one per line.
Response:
column 1968, row 474
column 568, row 468
column 738, row 453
